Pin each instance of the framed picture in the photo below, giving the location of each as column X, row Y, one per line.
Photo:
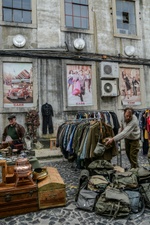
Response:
column 79, row 85
column 17, row 84
column 130, row 86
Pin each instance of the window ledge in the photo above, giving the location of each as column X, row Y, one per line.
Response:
column 127, row 36
column 11, row 24
column 75, row 30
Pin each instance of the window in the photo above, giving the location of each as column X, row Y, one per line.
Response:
column 76, row 14
column 126, row 18
column 18, row 11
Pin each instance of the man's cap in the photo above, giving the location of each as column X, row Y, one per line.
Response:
column 11, row 116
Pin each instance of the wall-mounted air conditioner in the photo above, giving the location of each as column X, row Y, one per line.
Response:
column 109, row 88
column 109, row 70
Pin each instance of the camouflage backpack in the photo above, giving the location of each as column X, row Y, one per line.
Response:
column 114, row 203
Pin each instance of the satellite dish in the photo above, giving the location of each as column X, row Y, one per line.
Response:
column 79, row 43
column 129, row 50
column 19, row 41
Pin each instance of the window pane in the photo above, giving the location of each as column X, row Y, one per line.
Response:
column 132, row 19
column 68, row 9
column 69, row 22
column 118, row 5
column 84, row 11
column 84, row 2
column 76, row 10
column 119, row 24
column 84, row 23
column 77, row 22
column 26, row 17
column 76, row 1
column 119, row 16
column 17, row 4
column 7, row 15
column 7, row 3
column 17, row 16
column 26, row 4
column 68, row 0
column 126, row 6
column 126, row 26
column 132, row 30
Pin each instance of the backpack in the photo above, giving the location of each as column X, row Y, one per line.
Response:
column 136, row 202
column 83, row 181
column 98, row 183
column 145, row 191
column 114, row 203
column 101, row 167
column 86, row 200
column 125, row 180
column 142, row 173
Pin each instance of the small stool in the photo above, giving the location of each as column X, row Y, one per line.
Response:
column 53, row 143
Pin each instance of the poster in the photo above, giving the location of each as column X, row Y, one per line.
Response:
column 18, row 85
column 130, row 88
column 79, row 85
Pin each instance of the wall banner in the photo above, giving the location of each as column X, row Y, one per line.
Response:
column 79, row 85
column 18, row 85
column 130, row 87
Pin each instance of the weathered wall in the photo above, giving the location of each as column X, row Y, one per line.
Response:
column 47, row 34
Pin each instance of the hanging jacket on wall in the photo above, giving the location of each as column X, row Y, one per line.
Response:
column 47, row 113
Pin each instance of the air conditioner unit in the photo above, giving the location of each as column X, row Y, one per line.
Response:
column 109, row 88
column 109, row 70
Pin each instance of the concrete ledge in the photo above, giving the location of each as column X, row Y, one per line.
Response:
column 46, row 153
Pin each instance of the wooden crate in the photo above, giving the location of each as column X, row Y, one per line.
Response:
column 18, row 200
column 52, row 190
column 53, row 143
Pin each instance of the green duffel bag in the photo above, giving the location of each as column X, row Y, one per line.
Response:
column 113, row 203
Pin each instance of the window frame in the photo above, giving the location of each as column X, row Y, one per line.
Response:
column 72, row 29
column 137, row 19
column 18, row 24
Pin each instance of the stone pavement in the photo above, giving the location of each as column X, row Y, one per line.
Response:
column 70, row 215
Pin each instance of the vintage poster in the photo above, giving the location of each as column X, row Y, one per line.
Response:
column 130, row 88
column 18, row 85
column 79, row 85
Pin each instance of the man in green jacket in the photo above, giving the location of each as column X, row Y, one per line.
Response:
column 13, row 132
column 129, row 131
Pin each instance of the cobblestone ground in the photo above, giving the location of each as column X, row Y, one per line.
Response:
column 70, row 215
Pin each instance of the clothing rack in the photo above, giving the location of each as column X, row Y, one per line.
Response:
column 79, row 120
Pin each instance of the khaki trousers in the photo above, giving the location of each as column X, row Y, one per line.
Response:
column 132, row 149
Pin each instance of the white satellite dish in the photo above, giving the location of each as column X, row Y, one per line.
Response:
column 129, row 50
column 79, row 43
column 19, row 41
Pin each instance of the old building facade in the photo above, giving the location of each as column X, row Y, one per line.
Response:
column 76, row 55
